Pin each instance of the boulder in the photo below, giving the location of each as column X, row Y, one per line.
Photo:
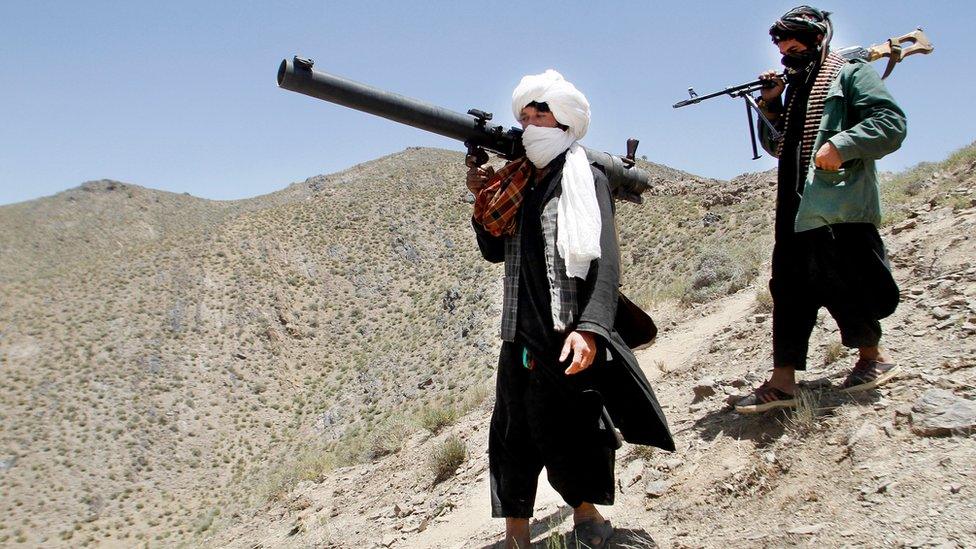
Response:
column 941, row 413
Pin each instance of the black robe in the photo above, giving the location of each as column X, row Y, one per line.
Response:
column 626, row 393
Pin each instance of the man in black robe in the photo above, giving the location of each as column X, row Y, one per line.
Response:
column 565, row 377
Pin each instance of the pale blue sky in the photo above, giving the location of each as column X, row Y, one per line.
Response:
column 181, row 96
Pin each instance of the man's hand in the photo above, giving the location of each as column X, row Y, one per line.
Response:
column 828, row 157
column 770, row 94
column 477, row 176
column 583, row 346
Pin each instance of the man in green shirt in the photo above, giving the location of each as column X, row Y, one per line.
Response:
column 837, row 118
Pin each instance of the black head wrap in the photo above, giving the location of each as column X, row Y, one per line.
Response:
column 804, row 24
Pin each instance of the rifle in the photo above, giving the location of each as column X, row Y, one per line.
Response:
column 895, row 49
column 627, row 182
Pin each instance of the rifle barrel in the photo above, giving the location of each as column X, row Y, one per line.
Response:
column 734, row 91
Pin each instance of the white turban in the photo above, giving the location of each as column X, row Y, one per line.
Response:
column 578, row 222
column 567, row 104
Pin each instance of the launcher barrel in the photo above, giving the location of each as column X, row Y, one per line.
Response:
column 473, row 129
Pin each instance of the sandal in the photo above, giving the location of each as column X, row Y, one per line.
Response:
column 868, row 374
column 591, row 535
column 763, row 399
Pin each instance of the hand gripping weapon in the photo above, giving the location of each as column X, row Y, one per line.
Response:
column 627, row 182
column 895, row 49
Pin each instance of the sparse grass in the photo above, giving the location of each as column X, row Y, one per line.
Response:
column 642, row 452
column 309, row 465
column 447, row 457
column 721, row 271
column 804, row 419
column 434, row 418
column 556, row 539
column 764, row 300
column 388, row 438
column 834, row 351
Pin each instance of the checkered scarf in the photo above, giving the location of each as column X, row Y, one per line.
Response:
column 497, row 204
column 815, row 107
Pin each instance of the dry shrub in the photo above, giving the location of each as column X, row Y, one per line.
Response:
column 720, row 272
column 764, row 300
column 833, row 352
column 447, row 457
column 805, row 416
column 435, row 418
column 387, row 438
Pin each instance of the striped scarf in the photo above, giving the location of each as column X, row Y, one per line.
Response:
column 815, row 107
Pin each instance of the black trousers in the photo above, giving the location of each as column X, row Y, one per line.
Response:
column 544, row 418
column 842, row 267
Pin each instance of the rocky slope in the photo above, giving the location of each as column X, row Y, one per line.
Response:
column 883, row 468
column 293, row 370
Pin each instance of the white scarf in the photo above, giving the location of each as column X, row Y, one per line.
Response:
column 578, row 220
column 578, row 223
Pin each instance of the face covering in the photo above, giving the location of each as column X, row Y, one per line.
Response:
column 544, row 144
column 801, row 60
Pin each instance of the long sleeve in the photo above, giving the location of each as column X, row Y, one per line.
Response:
column 492, row 247
column 882, row 126
column 598, row 312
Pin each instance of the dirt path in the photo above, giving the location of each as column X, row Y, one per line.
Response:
column 678, row 346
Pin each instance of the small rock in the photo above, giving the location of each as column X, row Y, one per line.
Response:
column 954, row 488
column 656, row 488
column 300, row 503
column 631, row 474
column 863, row 443
column 739, row 382
column 704, row 389
column 760, row 318
column 943, row 325
column 904, row 226
column 939, row 313
column 415, row 526
column 673, row 464
column 941, row 413
column 807, row 530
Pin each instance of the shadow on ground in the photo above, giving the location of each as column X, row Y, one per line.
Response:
column 821, row 399
column 623, row 538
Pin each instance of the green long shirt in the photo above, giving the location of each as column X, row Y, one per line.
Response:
column 864, row 123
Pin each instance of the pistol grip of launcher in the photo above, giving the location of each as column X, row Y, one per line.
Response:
column 476, row 156
column 631, row 159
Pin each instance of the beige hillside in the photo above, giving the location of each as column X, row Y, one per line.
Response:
column 313, row 368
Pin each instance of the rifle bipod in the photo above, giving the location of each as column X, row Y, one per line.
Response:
column 751, row 105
